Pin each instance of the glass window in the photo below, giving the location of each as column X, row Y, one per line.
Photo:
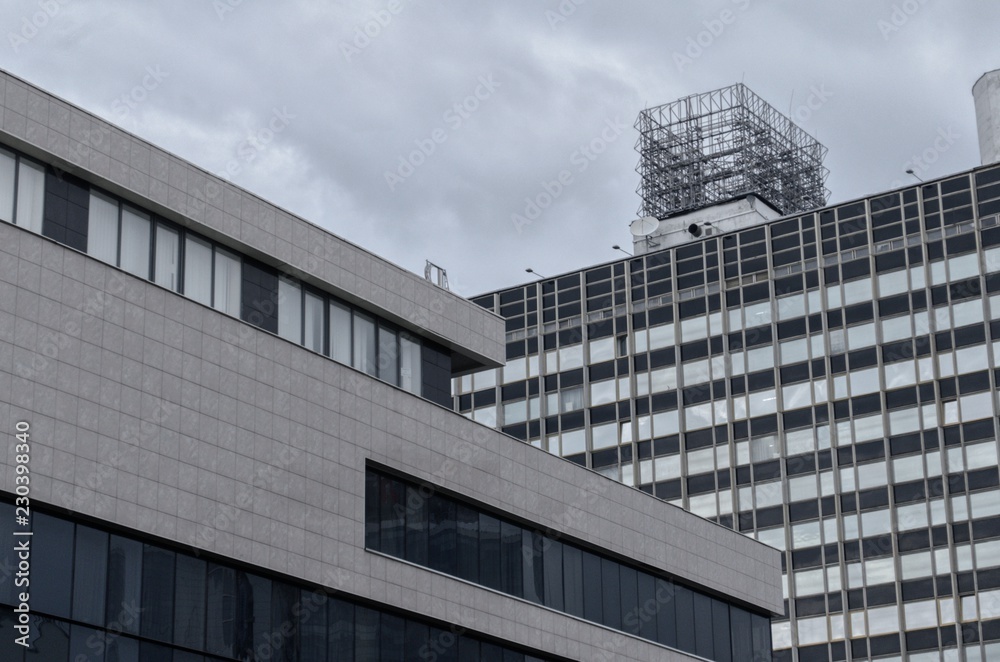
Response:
column 30, row 195
column 571, row 399
column 7, row 167
column 388, row 355
column 340, row 333
column 515, row 412
column 290, row 310
column 166, row 267
column 313, row 338
column 892, row 283
column 228, row 279
column 198, row 270
column 157, row 593
column 661, row 336
column 189, row 602
column 602, row 392
column 856, row 291
column 409, row 363
column 51, row 545
column 883, row 620
column 102, row 228
column 124, row 578
column 90, row 575
column 364, row 344
column 134, row 254
column 663, row 379
column 570, row 357
column 442, row 534
column 572, row 582
column 602, row 349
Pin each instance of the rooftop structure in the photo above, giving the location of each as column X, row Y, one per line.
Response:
column 713, row 147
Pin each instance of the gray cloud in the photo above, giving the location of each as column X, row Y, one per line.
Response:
column 362, row 85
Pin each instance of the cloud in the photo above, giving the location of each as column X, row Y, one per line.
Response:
column 369, row 83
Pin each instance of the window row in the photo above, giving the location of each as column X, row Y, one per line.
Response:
column 415, row 523
column 68, row 210
column 132, row 601
column 350, row 336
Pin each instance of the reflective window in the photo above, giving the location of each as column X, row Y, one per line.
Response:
column 134, row 251
column 30, row 195
column 340, row 333
column 198, row 270
column 228, row 279
column 508, row 557
column 289, row 310
column 409, row 363
column 102, row 228
column 364, row 344
column 313, row 322
column 167, row 258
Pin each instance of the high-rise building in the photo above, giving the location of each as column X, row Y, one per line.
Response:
column 824, row 381
column 224, row 439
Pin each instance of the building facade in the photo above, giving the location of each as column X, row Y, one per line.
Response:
column 229, row 437
column 824, row 382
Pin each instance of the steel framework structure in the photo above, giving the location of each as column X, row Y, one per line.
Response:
column 713, row 147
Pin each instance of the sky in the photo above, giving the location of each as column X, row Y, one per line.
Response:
column 493, row 137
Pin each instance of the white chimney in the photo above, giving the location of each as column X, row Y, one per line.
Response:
column 986, row 93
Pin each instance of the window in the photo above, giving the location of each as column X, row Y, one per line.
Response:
column 198, row 270
column 102, row 231
column 289, row 310
column 228, row 278
column 409, row 363
column 340, row 333
column 30, row 195
column 313, row 338
column 8, row 165
column 364, row 344
column 134, row 251
column 571, row 399
column 167, row 258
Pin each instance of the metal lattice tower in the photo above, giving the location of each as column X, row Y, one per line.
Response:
column 713, row 147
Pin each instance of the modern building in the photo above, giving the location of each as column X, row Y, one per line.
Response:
column 823, row 380
column 229, row 436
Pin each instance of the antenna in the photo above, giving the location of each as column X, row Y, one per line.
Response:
column 643, row 227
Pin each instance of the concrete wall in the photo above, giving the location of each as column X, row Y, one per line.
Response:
column 57, row 132
column 159, row 414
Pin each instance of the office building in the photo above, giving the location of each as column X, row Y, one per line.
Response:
column 822, row 379
column 236, row 442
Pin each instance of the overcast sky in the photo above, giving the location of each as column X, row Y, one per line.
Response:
column 320, row 106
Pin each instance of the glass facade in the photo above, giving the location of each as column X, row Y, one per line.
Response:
column 825, row 383
column 98, row 596
column 412, row 521
column 83, row 217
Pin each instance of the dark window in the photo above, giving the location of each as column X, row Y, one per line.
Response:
column 157, row 593
column 124, row 577
column 189, row 602
column 90, row 573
